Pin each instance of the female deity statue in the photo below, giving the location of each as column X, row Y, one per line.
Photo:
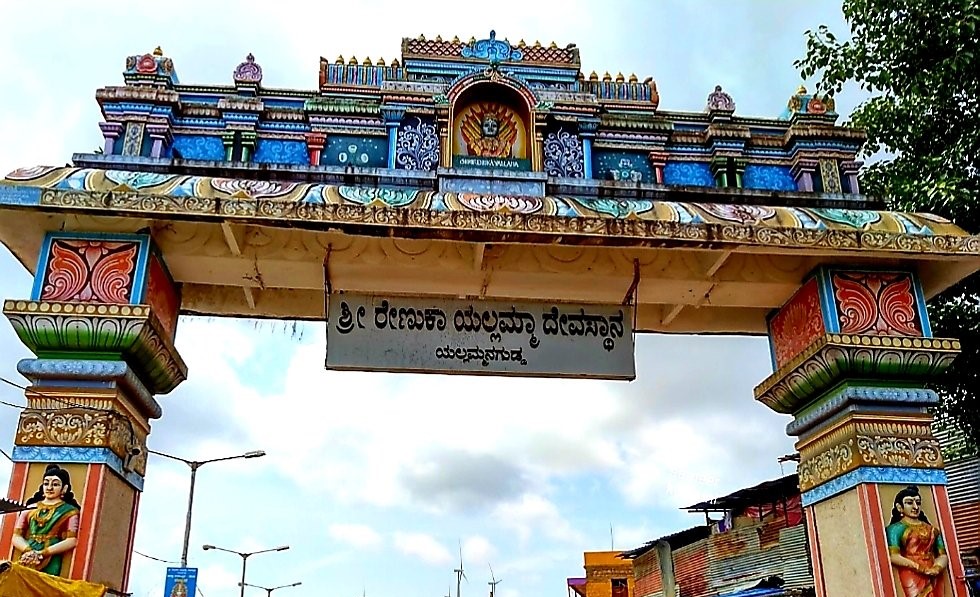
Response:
column 916, row 547
column 47, row 532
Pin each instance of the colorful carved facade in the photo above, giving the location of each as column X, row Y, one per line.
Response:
column 514, row 175
column 452, row 108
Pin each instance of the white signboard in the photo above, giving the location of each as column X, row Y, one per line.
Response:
column 376, row 333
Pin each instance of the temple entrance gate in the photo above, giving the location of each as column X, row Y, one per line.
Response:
column 464, row 181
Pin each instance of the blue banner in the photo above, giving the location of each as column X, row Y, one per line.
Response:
column 181, row 582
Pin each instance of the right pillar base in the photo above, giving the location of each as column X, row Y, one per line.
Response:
column 852, row 352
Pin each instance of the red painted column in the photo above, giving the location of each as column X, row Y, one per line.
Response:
column 852, row 352
column 92, row 392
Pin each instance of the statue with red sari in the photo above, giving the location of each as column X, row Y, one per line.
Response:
column 915, row 547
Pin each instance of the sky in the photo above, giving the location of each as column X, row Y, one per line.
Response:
column 377, row 481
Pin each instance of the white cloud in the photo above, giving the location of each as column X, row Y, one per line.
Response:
column 478, row 549
column 360, row 536
column 535, row 515
column 422, row 546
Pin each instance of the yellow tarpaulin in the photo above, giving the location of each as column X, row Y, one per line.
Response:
column 19, row 581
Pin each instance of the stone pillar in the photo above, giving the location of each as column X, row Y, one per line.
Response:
column 314, row 144
column 587, row 129
column 111, row 131
column 852, row 351
column 803, row 171
column 444, row 126
column 248, row 145
column 228, row 138
column 393, row 119
column 101, row 322
column 658, row 160
column 849, row 170
column 161, row 136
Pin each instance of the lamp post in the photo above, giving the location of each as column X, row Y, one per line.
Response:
column 268, row 591
column 244, row 555
column 194, row 465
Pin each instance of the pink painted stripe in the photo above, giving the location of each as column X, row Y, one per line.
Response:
column 81, row 565
column 874, row 528
column 17, row 490
column 814, row 541
column 945, row 513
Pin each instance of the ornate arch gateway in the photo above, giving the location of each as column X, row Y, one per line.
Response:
column 563, row 211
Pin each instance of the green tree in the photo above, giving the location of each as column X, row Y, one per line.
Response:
column 918, row 60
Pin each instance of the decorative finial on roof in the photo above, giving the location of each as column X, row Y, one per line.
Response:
column 552, row 46
column 340, row 59
column 593, row 76
column 633, row 78
column 620, row 78
column 607, row 77
column 719, row 101
column 801, row 90
column 439, row 38
column 380, row 62
column 367, row 62
column 352, row 61
column 456, row 39
column 537, row 43
column 421, row 37
column 395, row 63
column 152, row 68
column 522, row 44
column 248, row 72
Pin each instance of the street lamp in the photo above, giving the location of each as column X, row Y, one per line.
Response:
column 268, row 591
column 244, row 555
column 194, row 465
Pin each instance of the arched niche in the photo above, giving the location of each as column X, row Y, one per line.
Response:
column 492, row 125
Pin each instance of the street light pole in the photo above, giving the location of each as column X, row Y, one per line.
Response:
column 244, row 556
column 268, row 591
column 194, row 465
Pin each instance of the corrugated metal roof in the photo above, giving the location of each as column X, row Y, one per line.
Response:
column 675, row 540
column 963, row 481
column 794, row 553
column 964, row 497
column 966, row 520
column 763, row 493
column 736, row 558
column 690, row 566
column 646, row 571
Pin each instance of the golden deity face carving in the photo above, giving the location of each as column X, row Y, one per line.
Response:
column 491, row 130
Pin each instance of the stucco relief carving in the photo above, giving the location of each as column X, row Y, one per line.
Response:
column 826, row 465
column 900, row 451
column 63, row 428
column 867, row 443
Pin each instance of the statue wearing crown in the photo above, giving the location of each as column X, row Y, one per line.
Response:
column 490, row 130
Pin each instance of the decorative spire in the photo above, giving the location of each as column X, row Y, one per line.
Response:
column 719, row 101
column 248, row 72
column 152, row 68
